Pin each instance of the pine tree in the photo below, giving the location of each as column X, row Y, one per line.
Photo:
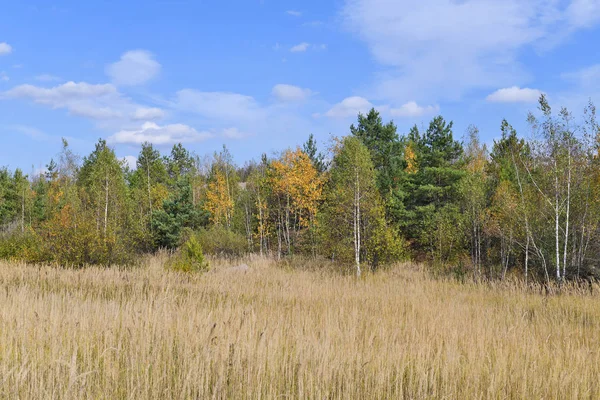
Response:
column 432, row 196
column 386, row 151
column 317, row 158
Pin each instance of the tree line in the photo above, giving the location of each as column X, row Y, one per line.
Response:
column 529, row 206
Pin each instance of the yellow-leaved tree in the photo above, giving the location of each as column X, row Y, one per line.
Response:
column 298, row 188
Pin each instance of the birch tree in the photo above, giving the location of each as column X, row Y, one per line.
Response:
column 354, row 226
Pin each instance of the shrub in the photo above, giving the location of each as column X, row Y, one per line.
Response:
column 189, row 258
column 20, row 246
column 221, row 242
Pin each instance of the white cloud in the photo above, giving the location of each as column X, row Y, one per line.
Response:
column 474, row 45
column 412, row 109
column 130, row 161
column 94, row 111
column 294, row 13
column 146, row 114
column 4, row 77
column 349, row 107
column 135, row 67
column 584, row 13
column 94, row 101
column 289, row 93
column 81, row 99
column 515, row 94
column 352, row 106
column 5, row 48
column 47, row 78
column 300, row 48
column 62, row 93
column 219, row 105
column 160, row 135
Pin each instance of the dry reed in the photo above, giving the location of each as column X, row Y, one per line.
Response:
column 272, row 333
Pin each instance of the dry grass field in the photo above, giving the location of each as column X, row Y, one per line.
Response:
column 273, row 333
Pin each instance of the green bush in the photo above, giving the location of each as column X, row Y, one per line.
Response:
column 221, row 242
column 20, row 246
column 189, row 258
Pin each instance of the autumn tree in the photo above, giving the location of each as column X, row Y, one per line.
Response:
column 297, row 186
column 221, row 189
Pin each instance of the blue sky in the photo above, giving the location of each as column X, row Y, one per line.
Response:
column 261, row 75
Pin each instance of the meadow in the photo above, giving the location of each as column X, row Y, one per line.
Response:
column 277, row 332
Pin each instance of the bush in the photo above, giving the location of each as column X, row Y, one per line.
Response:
column 189, row 258
column 221, row 242
column 20, row 246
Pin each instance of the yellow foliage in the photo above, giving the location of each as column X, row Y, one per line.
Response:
column 296, row 177
column 411, row 159
column 218, row 200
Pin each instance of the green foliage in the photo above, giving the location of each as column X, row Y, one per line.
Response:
column 219, row 241
column 178, row 212
column 20, row 246
column 433, row 191
column 386, row 152
column 189, row 258
column 529, row 205
column 353, row 205
column 180, row 163
column 317, row 158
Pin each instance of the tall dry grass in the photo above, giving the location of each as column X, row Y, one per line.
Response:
column 275, row 333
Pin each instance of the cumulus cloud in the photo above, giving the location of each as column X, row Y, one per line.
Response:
column 82, row 99
column 94, row 101
column 352, row 106
column 146, row 114
column 412, row 109
column 135, row 67
column 349, row 107
column 62, row 93
column 160, row 135
column 300, row 48
column 515, row 94
column 290, row 93
column 474, row 45
column 5, row 48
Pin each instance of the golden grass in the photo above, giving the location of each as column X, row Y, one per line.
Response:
column 271, row 333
